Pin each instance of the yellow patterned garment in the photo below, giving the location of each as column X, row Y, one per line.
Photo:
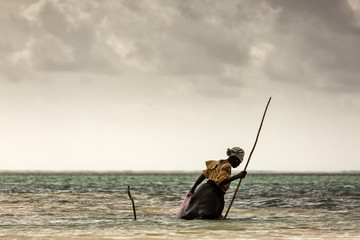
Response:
column 218, row 173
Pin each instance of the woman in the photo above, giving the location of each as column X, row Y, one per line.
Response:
column 208, row 201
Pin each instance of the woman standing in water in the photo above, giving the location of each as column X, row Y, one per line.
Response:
column 208, row 201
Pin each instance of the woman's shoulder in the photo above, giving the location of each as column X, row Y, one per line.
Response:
column 225, row 165
column 211, row 164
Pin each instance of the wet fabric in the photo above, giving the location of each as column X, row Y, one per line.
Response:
column 185, row 203
column 206, row 203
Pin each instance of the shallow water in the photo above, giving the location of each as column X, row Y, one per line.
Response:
column 96, row 206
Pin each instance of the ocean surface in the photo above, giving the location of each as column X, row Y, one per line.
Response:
column 90, row 205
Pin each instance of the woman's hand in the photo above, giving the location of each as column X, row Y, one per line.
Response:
column 236, row 176
column 242, row 174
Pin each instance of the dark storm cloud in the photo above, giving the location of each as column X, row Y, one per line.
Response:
column 187, row 39
column 183, row 38
column 312, row 44
column 320, row 45
column 337, row 14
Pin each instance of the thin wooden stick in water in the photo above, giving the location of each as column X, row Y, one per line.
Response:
column 133, row 204
column 257, row 137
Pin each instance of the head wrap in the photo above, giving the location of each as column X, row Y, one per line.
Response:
column 236, row 152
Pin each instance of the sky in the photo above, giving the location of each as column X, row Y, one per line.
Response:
column 166, row 85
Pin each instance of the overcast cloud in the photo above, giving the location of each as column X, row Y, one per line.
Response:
column 123, row 73
column 286, row 40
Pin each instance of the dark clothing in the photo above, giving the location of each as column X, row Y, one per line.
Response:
column 206, row 203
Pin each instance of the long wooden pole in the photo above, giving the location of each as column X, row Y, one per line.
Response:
column 247, row 163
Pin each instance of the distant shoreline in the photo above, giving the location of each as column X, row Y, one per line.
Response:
column 162, row 173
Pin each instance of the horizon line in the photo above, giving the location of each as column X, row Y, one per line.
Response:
column 167, row 172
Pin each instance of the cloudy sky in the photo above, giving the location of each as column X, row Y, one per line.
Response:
column 166, row 85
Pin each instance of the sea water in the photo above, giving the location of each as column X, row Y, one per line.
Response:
column 94, row 205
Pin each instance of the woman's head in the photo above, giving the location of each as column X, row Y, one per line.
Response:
column 236, row 156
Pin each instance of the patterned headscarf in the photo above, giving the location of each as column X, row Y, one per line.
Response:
column 236, row 152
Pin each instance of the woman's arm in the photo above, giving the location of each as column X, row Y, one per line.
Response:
column 242, row 174
column 198, row 181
